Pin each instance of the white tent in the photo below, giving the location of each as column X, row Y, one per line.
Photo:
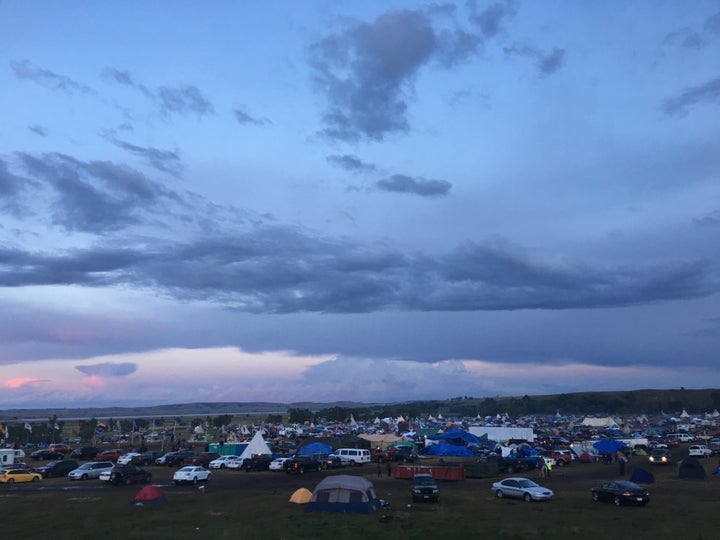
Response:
column 599, row 422
column 257, row 445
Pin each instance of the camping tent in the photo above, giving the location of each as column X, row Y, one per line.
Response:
column 301, row 496
column 344, row 493
column 149, row 495
column 315, row 448
column 642, row 476
column 608, row 446
column 599, row 422
column 691, row 469
column 257, row 445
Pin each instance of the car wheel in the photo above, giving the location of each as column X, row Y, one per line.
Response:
column 222, row 466
column 11, row 481
column 595, row 497
column 527, row 497
column 35, row 479
column 84, row 477
column 499, row 494
column 560, row 463
column 195, row 480
column 617, row 501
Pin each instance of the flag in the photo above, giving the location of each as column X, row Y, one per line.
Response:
column 2, row 429
column 28, row 427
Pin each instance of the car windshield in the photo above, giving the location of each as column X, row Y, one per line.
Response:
column 527, row 483
column 425, row 481
column 186, row 469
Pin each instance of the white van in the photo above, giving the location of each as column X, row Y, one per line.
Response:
column 353, row 456
column 680, row 437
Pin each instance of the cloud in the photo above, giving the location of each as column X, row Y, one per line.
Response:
column 38, row 130
column 350, row 163
column 490, row 19
column 20, row 382
column 184, row 99
column 367, row 71
column 108, row 369
column 686, row 37
column 244, row 118
column 708, row 92
column 712, row 24
column 548, row 63
column 48, row 79
column 13, row 190
column 93, row 196
column 163, row 160
column 400, row 183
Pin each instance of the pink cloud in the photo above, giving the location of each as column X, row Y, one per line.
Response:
column 19, row 382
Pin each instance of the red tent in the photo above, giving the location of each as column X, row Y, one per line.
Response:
column 149, row 495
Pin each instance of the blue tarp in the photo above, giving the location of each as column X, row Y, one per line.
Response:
column 605, row 446
column 315, row 448
column 441, row 449
column 458, row 436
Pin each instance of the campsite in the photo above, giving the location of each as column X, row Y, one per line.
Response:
column 257, row 505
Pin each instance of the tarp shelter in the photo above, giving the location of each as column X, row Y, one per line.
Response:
column 149, row 495
column 315, row 448
column 608, row 446
column 642, row 476
column 345, row 494
column 382, row 440
column 449, row 450
column 691, row 469
column 301, row 496
column 257, row 445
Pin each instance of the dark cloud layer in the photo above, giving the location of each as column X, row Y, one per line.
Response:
column 108, row 369
column 400, row 183
column 350, row 163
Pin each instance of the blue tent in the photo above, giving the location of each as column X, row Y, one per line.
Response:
column 457, row 436
column 642, row 476
column 315, row 448
column 608, row 446
column 441, row 449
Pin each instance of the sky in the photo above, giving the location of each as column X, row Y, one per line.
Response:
column 356, row 201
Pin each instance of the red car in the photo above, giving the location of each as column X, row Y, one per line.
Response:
column 109, row 455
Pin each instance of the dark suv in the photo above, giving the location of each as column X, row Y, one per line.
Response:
column 259, row 462
column 129, row 474
column 301, row 464
column 57, row 468
column 424, row 488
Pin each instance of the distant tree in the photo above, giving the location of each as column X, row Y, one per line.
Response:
column 273, row 419
column 299, row 416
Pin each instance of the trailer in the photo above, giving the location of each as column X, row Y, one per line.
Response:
column 494, row 433
column 10, row 456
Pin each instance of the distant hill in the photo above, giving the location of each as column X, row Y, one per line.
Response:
column 695, row 402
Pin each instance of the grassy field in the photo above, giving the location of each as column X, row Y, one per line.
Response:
column 255, row 506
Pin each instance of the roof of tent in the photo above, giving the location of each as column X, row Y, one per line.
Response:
column 344, row 493
column 257, row 445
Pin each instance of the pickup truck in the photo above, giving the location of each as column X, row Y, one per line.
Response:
column 301, row 464
column 512, row 463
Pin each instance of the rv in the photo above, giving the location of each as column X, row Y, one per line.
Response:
column 10, row 456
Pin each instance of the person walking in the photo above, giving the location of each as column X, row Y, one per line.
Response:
column 548, row 467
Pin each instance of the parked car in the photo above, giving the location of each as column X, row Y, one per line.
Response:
column 221, row 462
column 660, row 456
column 259, row 462
column 90, row 470
column 277, row 464
column 203, row 459
column 60, row 447
column 302, row 464
column 699, row 450
column 105, row 475
column 235, row 464
column 621, row 492
column 175, row 459
column 129, row 474
column 332, row 461
column 109, row 455
column 424, row 488
column 130, row 458
column 191, row 474
column 403, row 454
column 60, row 467
column 560, row 457
column 46, row 454
column 11, row 476
column 23, row 466
column 148, row 458
column 85, row 453
column 521, row 488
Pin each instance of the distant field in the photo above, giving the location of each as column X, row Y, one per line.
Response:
column 244, row 505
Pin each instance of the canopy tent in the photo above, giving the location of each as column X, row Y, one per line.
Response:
column 599, row 422
column 382, row 440
column 345, row 494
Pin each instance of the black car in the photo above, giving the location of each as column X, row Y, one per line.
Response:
column 46, row 454
column 129, row 474
column 621, row 492
column 57, row 468
column 148, row 458
column 260, row 462
column 302, row 464
column 86, row 452
column 424, row 488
